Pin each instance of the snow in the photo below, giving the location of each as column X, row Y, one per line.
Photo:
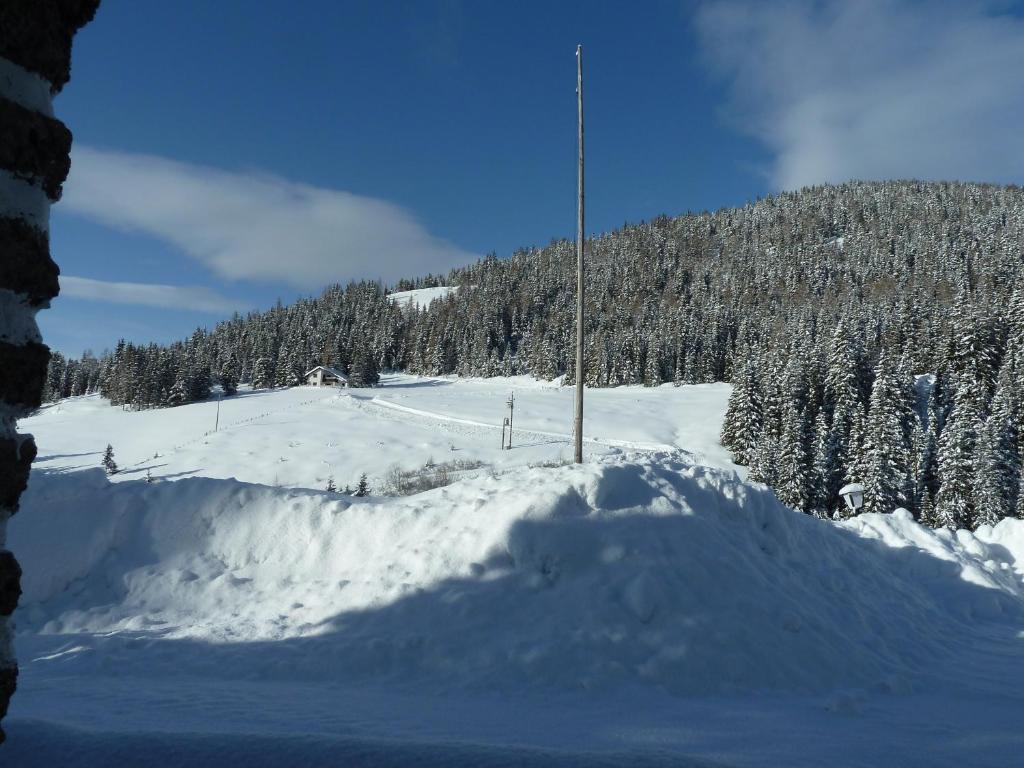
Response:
column 422, row 297
column 17, row 319
column 25, row 88
column 24, row 200
column 645, row 608
column 300, row 436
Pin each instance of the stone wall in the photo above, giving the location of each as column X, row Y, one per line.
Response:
column 35, row 63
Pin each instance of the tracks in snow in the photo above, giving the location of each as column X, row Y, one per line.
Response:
column 525, row 436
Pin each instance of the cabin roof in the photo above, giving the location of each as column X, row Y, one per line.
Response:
column 327, row 369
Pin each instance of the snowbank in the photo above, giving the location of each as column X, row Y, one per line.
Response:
column 644, row 571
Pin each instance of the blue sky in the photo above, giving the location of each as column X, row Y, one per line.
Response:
column 231, row 153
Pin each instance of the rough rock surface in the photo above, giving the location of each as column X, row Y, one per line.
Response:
column 35, row 41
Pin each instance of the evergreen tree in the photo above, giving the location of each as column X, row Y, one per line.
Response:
column 743, row 419
column 261, row 374
column 363, row 488
column 954, row 504
column 997, row 465
column 331, row 487
column 858, row 467
column 795, row 478
column 288, row 374
column 364, row 371
column 109, row 465
column 198, row 384
column 886, row 448
column 228, row 379
column 178, row 394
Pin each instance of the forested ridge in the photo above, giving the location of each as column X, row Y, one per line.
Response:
column 825, row 308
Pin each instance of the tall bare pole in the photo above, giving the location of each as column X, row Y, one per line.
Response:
column 579, row 260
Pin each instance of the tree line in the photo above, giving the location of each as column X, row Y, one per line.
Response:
column 821, row 304
column 815, row 415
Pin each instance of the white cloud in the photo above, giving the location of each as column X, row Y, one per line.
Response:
column 195, row 298
column 255, row 226
column 873, row 89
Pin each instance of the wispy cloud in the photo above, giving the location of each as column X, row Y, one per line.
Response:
column 196, row 298
column 873, row 89
column 255, row 226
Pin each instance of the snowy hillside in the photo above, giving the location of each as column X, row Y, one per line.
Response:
column 645, row 608
column 421, row 298
column 299, row 437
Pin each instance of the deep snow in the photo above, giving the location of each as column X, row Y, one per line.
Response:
column 644, row 608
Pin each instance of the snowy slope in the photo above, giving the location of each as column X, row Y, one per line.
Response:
column 298, row 437
column 646, row 608
column 421, row 297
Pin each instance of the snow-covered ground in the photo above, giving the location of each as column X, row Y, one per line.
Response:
column 421, row 297
column 645, row 608
column 299, row 437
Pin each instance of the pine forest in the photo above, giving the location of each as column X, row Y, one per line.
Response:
column 873, row 332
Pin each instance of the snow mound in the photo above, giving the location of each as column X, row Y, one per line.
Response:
column 637, row 570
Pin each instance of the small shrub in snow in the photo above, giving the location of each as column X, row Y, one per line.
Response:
column 109, row 465
column 406, row 482
column 551, row 464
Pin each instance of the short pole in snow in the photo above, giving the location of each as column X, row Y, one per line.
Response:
column 216, row 423
column 511, row 410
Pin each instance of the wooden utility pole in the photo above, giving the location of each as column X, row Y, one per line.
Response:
column 579, row 260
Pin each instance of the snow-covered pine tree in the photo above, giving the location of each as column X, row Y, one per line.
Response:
column 363, row 487
column 886, row 448
column 857, row 464
column 198, row 383
column 743, row 418
column 794, row 482
column 178, row 394
column 287, row 374
column 228, row 377
column 108, row 463
column 331, row 487
column 840, row 403
column 997, row 464
column 262, row 374
column 364, row 371
column 954, row 503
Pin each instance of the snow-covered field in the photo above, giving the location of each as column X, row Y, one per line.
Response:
column 645, row 608
column 299, row 437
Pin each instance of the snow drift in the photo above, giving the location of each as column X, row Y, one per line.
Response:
column 629, row 571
